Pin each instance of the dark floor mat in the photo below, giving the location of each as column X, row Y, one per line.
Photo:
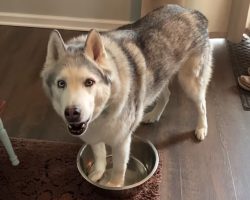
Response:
column 47, row 171
column 240, row 57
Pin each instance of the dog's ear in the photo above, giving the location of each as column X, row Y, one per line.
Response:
column 94, row 47
column 95, row 50
column 56, row 47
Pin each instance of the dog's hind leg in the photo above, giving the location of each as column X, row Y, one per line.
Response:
column 194, row 77
column 97, row 171
column 155, row 114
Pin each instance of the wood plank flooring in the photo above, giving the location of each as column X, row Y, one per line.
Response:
column 215, row 169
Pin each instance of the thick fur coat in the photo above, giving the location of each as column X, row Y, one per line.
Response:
column 107, row 80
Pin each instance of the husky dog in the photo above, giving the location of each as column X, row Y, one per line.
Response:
column 108, row 79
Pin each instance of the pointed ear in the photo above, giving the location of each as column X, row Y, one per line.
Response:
column 94, row 47
column 56, row 47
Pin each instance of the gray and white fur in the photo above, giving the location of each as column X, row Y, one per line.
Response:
column 108, row 80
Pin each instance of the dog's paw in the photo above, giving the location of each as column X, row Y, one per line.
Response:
column 105, row 181
column 109, row 182
column 201, row 133
column 112, row 184
column 150, row 118
column 96, row 175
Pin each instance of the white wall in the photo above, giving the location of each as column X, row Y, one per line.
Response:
column 69, row 14
column 238, row 19
column 148, row 5
column 217, row 12
column 98, row 9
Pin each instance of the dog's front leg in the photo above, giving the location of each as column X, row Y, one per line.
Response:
column 120, row 154
column 99, row 167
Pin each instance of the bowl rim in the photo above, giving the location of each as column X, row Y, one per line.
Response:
column 123, row 187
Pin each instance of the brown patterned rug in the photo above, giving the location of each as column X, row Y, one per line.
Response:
column 47, row 171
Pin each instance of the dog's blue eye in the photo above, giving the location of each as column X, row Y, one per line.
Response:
column 61, row 84
column 89, row 82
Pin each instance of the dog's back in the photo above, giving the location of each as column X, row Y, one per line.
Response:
column 167, row 38
column 173, row 40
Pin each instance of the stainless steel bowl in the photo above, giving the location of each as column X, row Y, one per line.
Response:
column 143, row 162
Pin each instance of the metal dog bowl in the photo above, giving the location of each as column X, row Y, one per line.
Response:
column 142, row 164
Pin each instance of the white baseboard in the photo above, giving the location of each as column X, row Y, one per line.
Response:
column 60, row 22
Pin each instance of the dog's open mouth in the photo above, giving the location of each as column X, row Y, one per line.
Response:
column 77, row 128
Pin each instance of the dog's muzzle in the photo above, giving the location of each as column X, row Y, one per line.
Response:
column 78, row 128
column 73, row 117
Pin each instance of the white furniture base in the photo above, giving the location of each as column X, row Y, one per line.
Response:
column 7, row 144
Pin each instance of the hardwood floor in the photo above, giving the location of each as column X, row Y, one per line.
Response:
column 215, row 169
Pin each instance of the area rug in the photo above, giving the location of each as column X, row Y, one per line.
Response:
column 47, row 171
column 240, row 57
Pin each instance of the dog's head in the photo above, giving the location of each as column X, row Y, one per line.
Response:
column 77, row 82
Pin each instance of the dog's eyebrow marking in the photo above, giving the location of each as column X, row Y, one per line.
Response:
column 85, row 62
column 49, row 81
column 51, row 77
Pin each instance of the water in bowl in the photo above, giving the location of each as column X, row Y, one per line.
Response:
column 135, row 172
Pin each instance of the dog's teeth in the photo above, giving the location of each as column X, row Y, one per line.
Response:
column 70, row 126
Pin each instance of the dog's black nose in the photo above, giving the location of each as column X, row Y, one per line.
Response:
column 72, row 114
